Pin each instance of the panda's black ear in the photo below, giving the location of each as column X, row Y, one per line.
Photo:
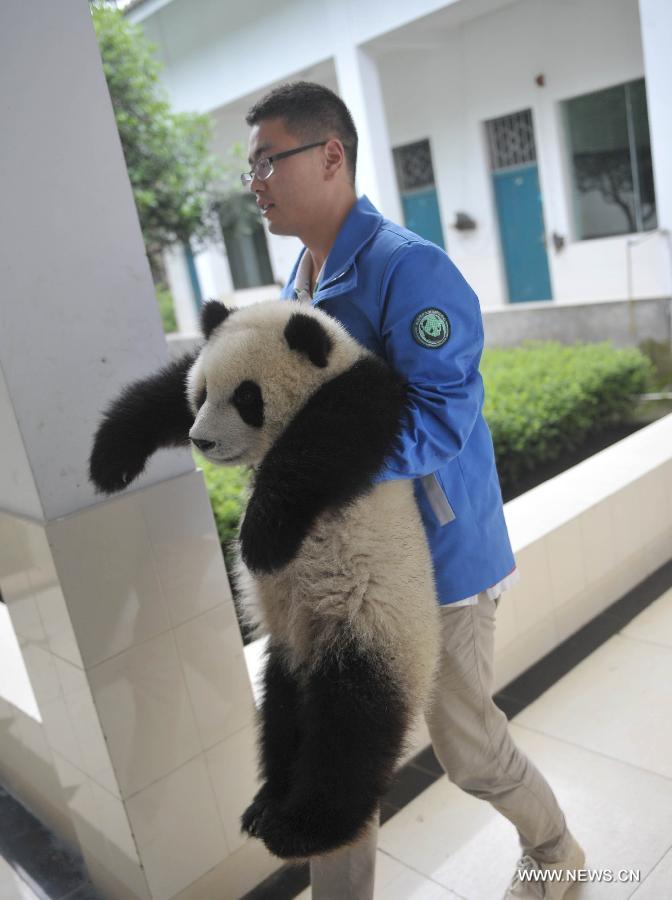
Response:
column 213, row 314
column 305, row 334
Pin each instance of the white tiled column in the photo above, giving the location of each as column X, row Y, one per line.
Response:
column 359, row 87
column 184, row 304
column 121, row 607
column 656, row 24
column 214, row 274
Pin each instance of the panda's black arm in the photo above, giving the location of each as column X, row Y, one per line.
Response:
column 326, row 457
column 148, row 414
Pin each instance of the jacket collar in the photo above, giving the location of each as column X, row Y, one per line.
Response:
column 340, row 271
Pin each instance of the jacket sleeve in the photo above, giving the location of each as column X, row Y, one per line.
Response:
column 445, row 387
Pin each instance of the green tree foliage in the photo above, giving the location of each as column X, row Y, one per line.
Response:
column 172, row 172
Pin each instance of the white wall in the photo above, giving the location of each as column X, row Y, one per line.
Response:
column 214, row 52
column 656, row 18
column 486, row 68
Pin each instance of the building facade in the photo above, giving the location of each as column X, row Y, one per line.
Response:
column 527, row 137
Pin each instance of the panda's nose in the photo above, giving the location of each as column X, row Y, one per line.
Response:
column 203, row 445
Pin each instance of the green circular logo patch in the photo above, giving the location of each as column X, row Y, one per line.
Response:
column 431, row 328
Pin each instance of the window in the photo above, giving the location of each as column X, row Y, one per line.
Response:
column 511, row 141
column 610, row 161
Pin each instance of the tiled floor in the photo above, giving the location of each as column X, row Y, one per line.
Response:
column 594, row 717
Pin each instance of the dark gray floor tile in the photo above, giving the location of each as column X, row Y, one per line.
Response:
column 284, row 884
column 427, row 760
column 14, row 818
column 85, row 892
column 408, row 783
column 46, row 860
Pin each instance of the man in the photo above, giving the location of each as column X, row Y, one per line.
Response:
column 402, row 297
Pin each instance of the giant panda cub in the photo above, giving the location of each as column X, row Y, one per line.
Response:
column 333, row 566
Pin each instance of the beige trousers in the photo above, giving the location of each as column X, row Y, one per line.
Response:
column 471, row 739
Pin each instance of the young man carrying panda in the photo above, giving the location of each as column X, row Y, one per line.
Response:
column 403, row 298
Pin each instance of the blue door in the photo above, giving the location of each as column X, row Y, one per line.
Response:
column 421, row 214
column 521, row 227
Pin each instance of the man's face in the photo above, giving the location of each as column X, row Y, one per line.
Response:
column 290, row 198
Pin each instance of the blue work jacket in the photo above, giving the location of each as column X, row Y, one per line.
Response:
column 402, row 297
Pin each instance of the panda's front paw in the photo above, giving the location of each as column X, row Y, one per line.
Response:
column 116, row 460
column 251, row 819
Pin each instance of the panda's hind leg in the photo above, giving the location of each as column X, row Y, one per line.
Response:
column 354, row 718
column 278, row 738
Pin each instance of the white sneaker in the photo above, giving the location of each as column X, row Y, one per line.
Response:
column 529, row 881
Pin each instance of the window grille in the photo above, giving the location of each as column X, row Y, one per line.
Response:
column 511, row 140
column 413, row 164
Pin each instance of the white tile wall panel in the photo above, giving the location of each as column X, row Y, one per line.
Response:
column 211, row 651
column 232, row 766
column 109, row 579
column 185, row 546
column 145, row 712
column 177, row 846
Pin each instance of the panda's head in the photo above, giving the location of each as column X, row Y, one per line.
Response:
column 259, row 366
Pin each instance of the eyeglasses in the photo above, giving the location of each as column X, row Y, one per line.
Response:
column 263, row 168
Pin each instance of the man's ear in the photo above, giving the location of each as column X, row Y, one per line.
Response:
column 305, row 334
column 213, row 314
column 334, row 155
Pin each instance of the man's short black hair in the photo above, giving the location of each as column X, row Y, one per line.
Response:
column 311, row 112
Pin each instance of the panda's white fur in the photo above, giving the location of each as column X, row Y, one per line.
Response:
column 334, row 567
column 366, row 567
column 345, row 577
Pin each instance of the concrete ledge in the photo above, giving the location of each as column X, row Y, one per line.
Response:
column 582, row 540
column 624, row 322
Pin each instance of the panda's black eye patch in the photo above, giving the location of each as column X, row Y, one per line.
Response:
column 202, row 397
column 250, row 404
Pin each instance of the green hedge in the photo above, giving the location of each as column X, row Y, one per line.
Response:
column 541, row 400
column 227, row 490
